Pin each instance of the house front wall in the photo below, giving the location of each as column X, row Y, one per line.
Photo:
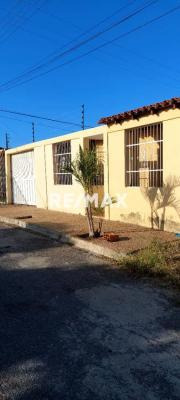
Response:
column 66, row 198
column 134, row 206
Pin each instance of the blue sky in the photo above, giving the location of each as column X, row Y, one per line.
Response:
column 137, row 69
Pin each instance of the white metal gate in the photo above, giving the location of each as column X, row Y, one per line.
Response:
column 22, row 169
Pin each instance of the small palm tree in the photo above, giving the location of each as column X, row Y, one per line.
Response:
column 85, row 168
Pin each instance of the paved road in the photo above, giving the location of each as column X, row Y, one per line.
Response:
column 72, row 327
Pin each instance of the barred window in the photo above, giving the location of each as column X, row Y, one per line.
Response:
column 144, row 156
column 97, row 146
column 62, row 159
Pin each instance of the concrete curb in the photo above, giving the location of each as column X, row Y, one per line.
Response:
column 64, row 238
column 31, row 227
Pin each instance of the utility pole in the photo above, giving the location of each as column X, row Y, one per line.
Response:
column 33, row 132
column 7, row 141
column 82, row 123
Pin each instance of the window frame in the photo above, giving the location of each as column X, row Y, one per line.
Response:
column 61, row 150
column 153, row 169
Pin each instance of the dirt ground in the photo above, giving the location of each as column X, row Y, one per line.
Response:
column 132, row 237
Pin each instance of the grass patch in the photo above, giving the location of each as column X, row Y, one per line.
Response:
column 157, row 260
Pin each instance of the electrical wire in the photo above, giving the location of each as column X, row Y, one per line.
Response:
column 20, row 19
column 40, row 117
column 100, row 22
column 44, row 59
column 30, row 123
column 137, row 54
column 98, row 47
column 9, row 14
column 78, row 45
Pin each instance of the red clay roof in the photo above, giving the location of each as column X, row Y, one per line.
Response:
column 142, row 111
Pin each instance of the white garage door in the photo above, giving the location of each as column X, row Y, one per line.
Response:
column 22, row 167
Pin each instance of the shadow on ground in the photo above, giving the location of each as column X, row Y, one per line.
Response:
column 15, row 240
column 73, row 327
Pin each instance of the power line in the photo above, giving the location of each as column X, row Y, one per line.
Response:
column 138, row 54
column 33, row 126
column 21, row 18
column 73, row 40
column 55, row 128
column 60, row 19
column 77, row 37
column 40, row 117
column 45, row 37
column 99, row 47
column 139, row 71
column 37, row 123
column 96, row 25
column 38, row 34
column 149, row 59
column 15, row 119
column 6, row 20
column 59, row 129
column 80, row 44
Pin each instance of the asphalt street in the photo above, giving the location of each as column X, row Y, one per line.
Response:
column 73, row 327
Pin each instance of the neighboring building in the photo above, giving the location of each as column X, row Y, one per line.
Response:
column 140, row 151
column 2, row 176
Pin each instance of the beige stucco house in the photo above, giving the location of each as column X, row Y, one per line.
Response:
column 139, row 152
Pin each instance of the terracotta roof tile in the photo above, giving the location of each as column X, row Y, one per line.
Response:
column 141, row 111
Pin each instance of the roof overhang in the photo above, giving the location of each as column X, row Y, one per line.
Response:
column 137, row 113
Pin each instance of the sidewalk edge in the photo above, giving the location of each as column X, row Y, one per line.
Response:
column 64, row 238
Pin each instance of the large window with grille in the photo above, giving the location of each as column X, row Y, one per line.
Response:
column 144, row 156
column 62, row 159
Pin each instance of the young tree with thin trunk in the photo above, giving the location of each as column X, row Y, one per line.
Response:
column 85, row 168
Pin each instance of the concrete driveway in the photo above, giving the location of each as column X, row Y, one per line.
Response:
column 74, row 327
